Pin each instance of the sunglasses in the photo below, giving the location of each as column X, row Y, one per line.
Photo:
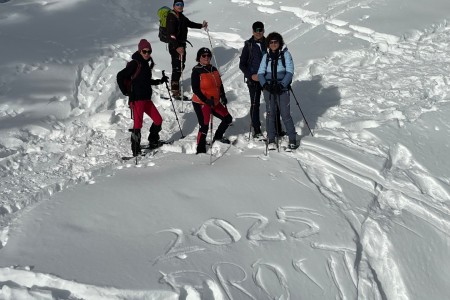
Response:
column 259, row 30
column 206, row 55
column 146, row 52
column 274, row 42
column 179, row 4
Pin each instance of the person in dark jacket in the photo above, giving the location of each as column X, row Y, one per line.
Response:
column 139, row 72
column 177, row 31
column 252, row 53
column 209, row 99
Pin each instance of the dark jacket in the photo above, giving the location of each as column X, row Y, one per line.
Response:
column 141, row 85
column 177, row 28
column 249, row 62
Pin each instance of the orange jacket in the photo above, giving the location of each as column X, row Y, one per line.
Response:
column 206, row 83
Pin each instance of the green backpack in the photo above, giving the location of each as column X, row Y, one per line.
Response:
column 162, row 14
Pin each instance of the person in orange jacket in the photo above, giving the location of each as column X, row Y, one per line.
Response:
column 209, row 99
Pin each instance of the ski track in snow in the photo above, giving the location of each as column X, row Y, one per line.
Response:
column 340, row 137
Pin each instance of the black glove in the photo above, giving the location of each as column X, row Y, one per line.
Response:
column 164, row 79
column 223, row 99
column 278, row 88
column 209, row 102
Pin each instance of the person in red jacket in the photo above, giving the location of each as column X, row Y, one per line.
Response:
column 139, row 72
column 209, row 99
column 177, row 31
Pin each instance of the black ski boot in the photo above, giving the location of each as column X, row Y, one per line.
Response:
column 153, row 137
column 135, row 141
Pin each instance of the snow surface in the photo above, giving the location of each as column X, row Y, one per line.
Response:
column 360, row 211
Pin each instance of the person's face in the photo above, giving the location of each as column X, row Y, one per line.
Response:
column 205, row 59
column 274, row 45
column 179, row 6
column 146, row 53
column 258, row 33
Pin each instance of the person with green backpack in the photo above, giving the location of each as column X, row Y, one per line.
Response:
column 175, row 35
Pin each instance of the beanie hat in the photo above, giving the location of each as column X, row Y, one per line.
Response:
column 201, row 51
column 144, row 44
column 257, row 25
column 176, row 1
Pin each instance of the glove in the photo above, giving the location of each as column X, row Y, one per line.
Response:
column 164, row 79
column 223, row 99
column 209, row 102
column 266, row 87
column 278, row 88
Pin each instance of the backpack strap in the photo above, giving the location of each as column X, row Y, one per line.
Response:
column 283, row 61
column 250, row 51
column 138, row 69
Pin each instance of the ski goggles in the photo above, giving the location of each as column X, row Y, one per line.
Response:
column 206, row 55
column 179, row 4
column 146, row 51
column 259, row 30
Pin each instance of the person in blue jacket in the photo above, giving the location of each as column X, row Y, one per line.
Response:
column 275, row 75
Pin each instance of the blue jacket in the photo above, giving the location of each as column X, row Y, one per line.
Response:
column 249, row 62
column 282, row 75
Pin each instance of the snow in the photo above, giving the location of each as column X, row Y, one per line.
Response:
column 359, row 211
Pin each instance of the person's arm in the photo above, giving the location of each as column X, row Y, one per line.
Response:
column 262, row 70
column 195, row 83
column 243, row 61
column 195, row 25
column 289, row 69
column 172, row 29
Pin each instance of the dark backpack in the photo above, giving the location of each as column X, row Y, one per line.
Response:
column 127, row 81
column 162, row 14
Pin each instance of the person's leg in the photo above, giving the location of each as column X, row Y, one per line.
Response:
column 285, row 111
column 222, row 113
column 138, row 116
column 255, row 100
column 203, row 116
column 153, row 113
column 270, row 115
column 176, row 72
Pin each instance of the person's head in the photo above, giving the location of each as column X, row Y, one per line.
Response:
column 145, row 49
column 204, row 56
column 258, row 30
column 274, row 41
column 178, row 5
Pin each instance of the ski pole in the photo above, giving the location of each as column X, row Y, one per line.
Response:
column 173, row 105
column 211, row 116
column 212, row 48
column 252, row 109
column 277, row 102
column 181, row 83
column 306, row 122
column 268, row 116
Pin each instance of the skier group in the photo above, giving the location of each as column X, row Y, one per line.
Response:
column 267, row 66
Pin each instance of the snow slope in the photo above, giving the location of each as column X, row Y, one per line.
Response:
column 359, row 211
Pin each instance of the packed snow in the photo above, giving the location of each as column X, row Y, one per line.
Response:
column 359, row 211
